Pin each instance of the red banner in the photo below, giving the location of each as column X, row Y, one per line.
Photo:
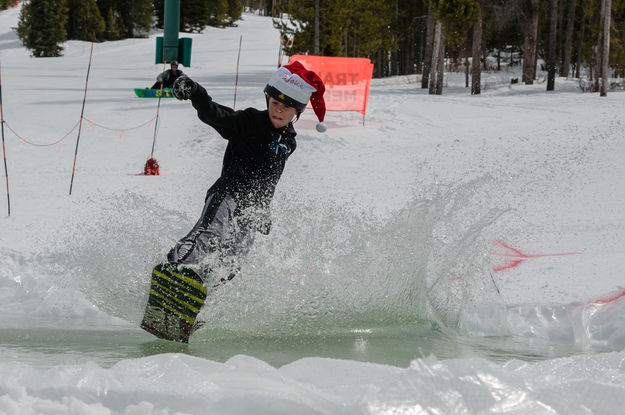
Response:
column 347, row 80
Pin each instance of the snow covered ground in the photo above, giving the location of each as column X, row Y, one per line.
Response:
column 455, row 254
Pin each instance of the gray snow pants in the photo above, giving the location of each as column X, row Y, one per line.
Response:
column 217, row 241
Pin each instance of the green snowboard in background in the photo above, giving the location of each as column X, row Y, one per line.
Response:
column 153, row 93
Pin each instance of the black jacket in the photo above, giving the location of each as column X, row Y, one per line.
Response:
column 167, row 78
column 256, row 152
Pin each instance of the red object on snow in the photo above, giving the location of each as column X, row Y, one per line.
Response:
column 151, row 167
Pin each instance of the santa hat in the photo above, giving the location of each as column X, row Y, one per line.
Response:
column 294, row 85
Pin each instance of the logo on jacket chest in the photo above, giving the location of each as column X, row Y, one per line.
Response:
column 278, row 144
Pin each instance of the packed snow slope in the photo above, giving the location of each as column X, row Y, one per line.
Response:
column 447, row 254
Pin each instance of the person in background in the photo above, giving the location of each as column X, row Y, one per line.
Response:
column 168, row 77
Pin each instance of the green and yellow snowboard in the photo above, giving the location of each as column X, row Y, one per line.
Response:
column 153, row 93
column 176, row 297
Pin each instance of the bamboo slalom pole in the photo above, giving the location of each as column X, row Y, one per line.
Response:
column 236, row 80
column 158, row 110
column 4, row 151
column 151, row 167
column 84, row 99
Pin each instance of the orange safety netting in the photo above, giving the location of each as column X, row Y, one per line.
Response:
column 347, row 80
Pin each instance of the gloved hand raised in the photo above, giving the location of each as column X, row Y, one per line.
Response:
column 183, row 88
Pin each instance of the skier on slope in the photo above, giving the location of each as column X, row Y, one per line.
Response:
column 259, row 144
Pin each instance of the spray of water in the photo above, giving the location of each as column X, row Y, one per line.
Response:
column 330, row 267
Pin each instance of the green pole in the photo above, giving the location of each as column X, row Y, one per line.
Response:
column 171, row 29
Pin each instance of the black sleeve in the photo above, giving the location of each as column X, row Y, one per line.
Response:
column 229, row 123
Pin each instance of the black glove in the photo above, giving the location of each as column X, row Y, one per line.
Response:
column 183, row 88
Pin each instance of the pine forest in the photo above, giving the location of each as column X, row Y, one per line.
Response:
column 568, row 38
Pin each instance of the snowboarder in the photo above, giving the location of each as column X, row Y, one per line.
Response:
column 168, row 77
column 259, row 144
column 237, row 204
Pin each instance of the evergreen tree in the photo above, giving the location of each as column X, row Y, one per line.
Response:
column 568, row 44
column 140, row 16
column 352, row 28
column 133, row 18
column 235, row 8
column 617, row 42
column 41, row 27
column 410, row 31
column 503, row 28
column 457, row 16
column 195, row 15
column 158, row 11
column 85, row 21
column 217, row 12
column 113, row 27
column 136, row 16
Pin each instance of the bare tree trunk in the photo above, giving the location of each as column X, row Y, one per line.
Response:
column 476, row 54
column 551, row 66
column 427, row 58
column 316, row 45
column 530, row 44
column 598, row 50
column 436, row 46
column 466, row 71
column 412, row 57
column 605, row 55
column 440, row 67
column 568, row 44
column 580, row 41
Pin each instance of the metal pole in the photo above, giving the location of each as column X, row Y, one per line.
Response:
column 171, row 28
column 84, row 99
column 4, row 152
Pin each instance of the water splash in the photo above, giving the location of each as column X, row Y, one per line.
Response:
column 330, row 267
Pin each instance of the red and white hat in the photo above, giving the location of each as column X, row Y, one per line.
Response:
column 294, row 85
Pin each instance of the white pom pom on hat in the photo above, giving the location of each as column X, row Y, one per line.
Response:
column 294, row 86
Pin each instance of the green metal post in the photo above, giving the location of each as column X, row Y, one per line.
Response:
column 171, row 30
